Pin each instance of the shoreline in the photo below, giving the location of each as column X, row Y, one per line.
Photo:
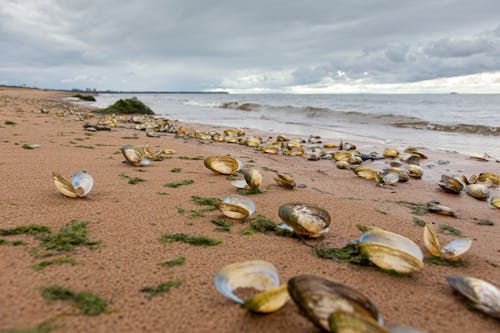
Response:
column 128, row 220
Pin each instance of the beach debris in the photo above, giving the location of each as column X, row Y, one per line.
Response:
column 414, row 171
column 134, row 155
column 478, row 191
column 495, row 202
column 30, row 146
column 304, row 219
column 453, row 251
column 343, row 165
column 481, row 294
column 79, row 186
column 320, row 299
column 259, row 275
column 451, row 184
column 94, row 128
column 368, row 173
column 225, row 165
column 127, row 106
column 392, row 153
column 434, row 207
column 489, row 178
column 253, row 177
column 390, row 251
column 236, row 207
column 284, row 181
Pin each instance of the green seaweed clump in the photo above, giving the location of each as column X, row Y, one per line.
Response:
column 176, row 170
column 189, row 239
column 416, row 208
column 88, row 98
column 41, row 265
column 179, row 183
column 449, row 230
column 127, row 106
column 44, row 327
column 161, row 288
column 10, row 122
column 187, row 158
column 349, row 253
column 418, row 222
column 88, row 303
column 484, row 222
column 443, row 262
column 247, row 232
column 222, row 225
column 31, row 229
column 174, row 262
column 209, row 202
column 261, row 223
column 71, row 235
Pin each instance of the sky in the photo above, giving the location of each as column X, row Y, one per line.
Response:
column 257, row 46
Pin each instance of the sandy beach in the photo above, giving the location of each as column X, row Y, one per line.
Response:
column 129, row 219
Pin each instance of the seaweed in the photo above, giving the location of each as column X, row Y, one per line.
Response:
column 269, row 169
column 135, row 180
column 44, row 327
column 174, row 262
column 126, row 106
column 31, row 229
column 41, row 265
column 161, row 288
column 209, row 202
column 443, row 262
column 449, row 230
column 176, row 170
column 261, row 223
column 187, row 158
column 189, row 239
column 10, row 122
column 88, row 98
column 418, row 222
column 483, row 222
column 193, row 214
column 416, row 208
column 88, row 303
column 179, row 183
column 222, row 225
column 349, row 253
column 246, row 232
column 162, row 193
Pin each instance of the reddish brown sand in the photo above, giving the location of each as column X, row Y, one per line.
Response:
column 129, row 219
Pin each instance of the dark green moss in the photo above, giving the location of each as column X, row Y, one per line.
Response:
column 135, row 180
column 174, row 262
column 88, row 98
column 41, row 265
column 189, row 239
column 44, row 327
column 31, row 229
column 449, row 230
column 179, row 183
column 484, row 222
column 418, row 222
column 443, row 262
column 161, row 288
column 222, row 225
column 177, row 170
column 416, row 208
column 208, row 202
column 349, row 253
column 88, row 303
column 246, row 232
column 10, row 122
column 196, row 158
column 126, row 106
column 269, row 169
column 262, row 224
column 71, row 235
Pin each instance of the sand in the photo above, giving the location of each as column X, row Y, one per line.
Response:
column 129, row 219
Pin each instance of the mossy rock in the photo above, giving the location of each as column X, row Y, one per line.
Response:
column 127, row 106
column 88, row 98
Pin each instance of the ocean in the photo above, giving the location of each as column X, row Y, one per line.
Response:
column 464, row 123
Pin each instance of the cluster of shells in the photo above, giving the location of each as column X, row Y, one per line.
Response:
column 477, row 186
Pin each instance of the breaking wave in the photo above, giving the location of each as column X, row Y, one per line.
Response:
column 459, row 128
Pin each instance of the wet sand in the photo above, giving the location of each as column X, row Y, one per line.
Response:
column 128, row 220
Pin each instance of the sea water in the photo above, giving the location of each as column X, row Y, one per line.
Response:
column 465, row 123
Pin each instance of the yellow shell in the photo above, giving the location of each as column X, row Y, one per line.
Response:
column 284, row 181
column 495, row 202
column 253, row 177
column 306, row 220
column 236, row 207
column 268, row 301
column 342, row 156
column 354, row 322
column 79, row 186
column 390, row 152
column 225, row 165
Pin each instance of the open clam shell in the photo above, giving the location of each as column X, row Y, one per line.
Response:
column 368, row 173
column 252, row 177
column 79, row 186
column 284, row 181
column 483, row 295
column 134, row 155
column 414, row 171
column 453, row 251
column 258, row 274
column 225, row 165
column 450, row 184
column 441, row 210
column 236, row 207
column 317, row 298
column 391, row 251
column 306, row 220
column 388, row 152
column 343, row 321
column 495, row 202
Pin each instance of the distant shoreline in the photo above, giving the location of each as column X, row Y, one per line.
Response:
column 120, row 91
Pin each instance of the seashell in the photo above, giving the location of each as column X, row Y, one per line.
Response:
column 284, row 181
column 483, row 295
column 414, row 171
column 442, row 210
column 478, row 191
column 495, row 202
column 343, row 165
column 343, row 321
column 270, row 149
column 329, row 145
column 231, row 139
column 240, row 183
column 294, row 152
column 453, row 251
column 390, row 153
column 234, row 132
column 317, row 298
column 253, row 177
column 342, row 156
column 79, row 186
column 282, row 138
column 225, row 165
column 236, row 207
column 450, row 184
column 313, row 155
column 344, row 145
column 134, row 155
column 391, row 251
column 253, row 142
column 257, row 274
column 489, row 177
column 306, row 220
column 390, row 178
column 356, row 159
column 479, row 158
column 368, row 173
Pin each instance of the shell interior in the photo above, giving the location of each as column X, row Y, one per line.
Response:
column 64, row 186
column 305, row 219
column 455, row 249
column 82, row 182
column 236, row 207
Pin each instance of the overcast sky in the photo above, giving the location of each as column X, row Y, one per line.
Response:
column 253, row 45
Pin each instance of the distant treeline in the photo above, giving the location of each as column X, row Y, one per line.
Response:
column 74, row 90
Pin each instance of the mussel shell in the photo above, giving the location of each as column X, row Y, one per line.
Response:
column 368, row 173
column 390, row 152
column 236, row 207
column 343, row 165
column 495, row 202
column 391, row 251
column 345, row 322
column 442, row 210
column 241, row 183
column 64, row 186
column 306, row 220
column 478, row 191
column 258, row 274
column 317, row 298
column 134, row 155
column 483, row 295
column 82, row 182
column 342, row 156
column 253, row 178
column 225, row 165
column 284, row 181
column 414, row 171
column 431, row 241
column 454, row 250
column 390, row 178
column 450, row 184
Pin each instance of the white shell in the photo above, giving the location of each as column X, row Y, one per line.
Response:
column 456, row 249
column 82, row 182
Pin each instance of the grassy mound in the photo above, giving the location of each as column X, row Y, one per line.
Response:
column 88, row 98
column 127, row 106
